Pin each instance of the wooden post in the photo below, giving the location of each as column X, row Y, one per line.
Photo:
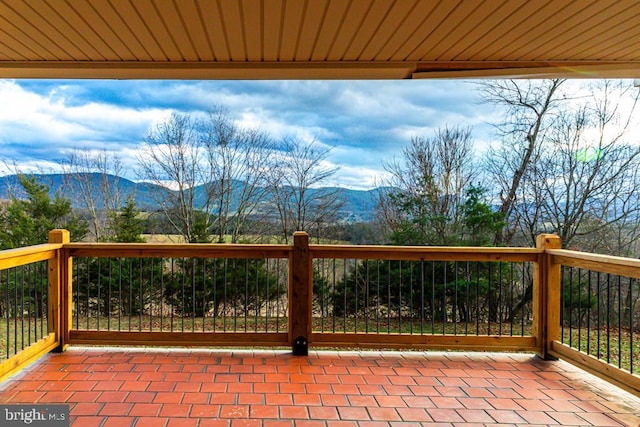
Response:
column 60, row 290
column 300, row 294
column 546, row 296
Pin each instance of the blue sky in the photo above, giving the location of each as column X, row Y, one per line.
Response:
column 366, row 122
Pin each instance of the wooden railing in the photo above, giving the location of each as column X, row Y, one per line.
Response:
column 30, row 303
column 205, row 295
column 102, row 276
column 593, row 318
column 456, row 298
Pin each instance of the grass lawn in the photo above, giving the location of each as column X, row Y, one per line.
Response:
column 619, row 348
column 252, row 323
column 17, row 334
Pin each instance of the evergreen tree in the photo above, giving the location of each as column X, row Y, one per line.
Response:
column 27, row 221
column 126, row 226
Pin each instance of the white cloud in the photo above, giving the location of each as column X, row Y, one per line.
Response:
column 365, row 121
column 48, row 118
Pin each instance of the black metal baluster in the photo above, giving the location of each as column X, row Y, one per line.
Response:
column 631, row 314
column 366, row 298
column 454, row 309
column 598, row 316
column 15, row 312
column 204, row 294
column 266, row 297
column 523, row 292
column 151, row 287
column 44, row 306
column 173, row 287
column 422, row 297
column 570, row 313
column 589, row 313
column 29, row 268
column 130, row 292
column 193, row 295
column 109, row 296
column 468, row 302
column 400, row 296
column 88, row 312
column 120, row 294
column 619, row 322
column 7, row 311
column 444, row 297
column 224, row 310
column 579, row 309
column 183, row 308
column 433, row 297
column 246, row 293
column 344, row 310
column 257, row 293
column 216, row 302
column 410, row 297
column 389, row 297
column 140, row 297
column 511, row 290
column 333, row 299
column 489, row 264
column 378, row 262
column 608, row 318
column 235, row 295
column 477, row 298
column 161, row 294
column 278, row 293
column 99, row 293
column 320, row 271
column 499, row 312
column 355, row 273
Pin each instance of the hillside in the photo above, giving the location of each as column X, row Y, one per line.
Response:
column 358, row 205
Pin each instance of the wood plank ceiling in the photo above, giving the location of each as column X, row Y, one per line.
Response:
column 288, row 39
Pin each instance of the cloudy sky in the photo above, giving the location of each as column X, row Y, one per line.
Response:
column 365, row 122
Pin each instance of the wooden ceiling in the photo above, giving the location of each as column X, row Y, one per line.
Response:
column 306, row 39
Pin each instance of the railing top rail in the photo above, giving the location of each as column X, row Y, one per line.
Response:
column 190, row 250
column 628, row 267
column 426, row 253
column 21, row 256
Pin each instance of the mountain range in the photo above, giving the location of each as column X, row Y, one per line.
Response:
column 358, row 205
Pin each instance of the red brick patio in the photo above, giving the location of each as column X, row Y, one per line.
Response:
column 200, row 388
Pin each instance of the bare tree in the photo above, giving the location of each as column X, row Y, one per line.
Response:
column 588, row 175
column 297, row 171
column 427, row 186
column 172, row 159
column 579, row 176
column 212, row 171
column 531, row 108
column 563, row 164
column 92, row 178
column 235, row 163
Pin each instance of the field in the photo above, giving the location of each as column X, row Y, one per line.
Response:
column 621, row 348
column 17, row 334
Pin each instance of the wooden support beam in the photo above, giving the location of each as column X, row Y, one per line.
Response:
column 546, row 295
column 60, row 293
column 300, row 294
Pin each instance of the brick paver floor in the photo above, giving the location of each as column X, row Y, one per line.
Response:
column 201, row 388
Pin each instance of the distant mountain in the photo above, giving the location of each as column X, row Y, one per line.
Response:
column 144, row 194
column 358, row 205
